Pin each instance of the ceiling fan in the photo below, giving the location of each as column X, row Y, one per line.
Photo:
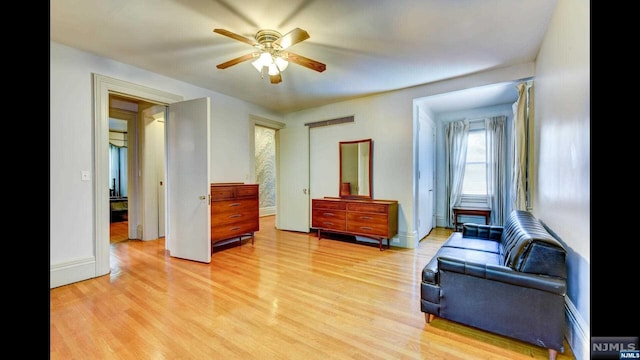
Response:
column 272, row 57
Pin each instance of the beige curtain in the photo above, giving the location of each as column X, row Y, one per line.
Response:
column 522, row 122
column 456, row 135
column 496, row 167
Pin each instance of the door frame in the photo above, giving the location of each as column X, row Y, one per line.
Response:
column 102, row 87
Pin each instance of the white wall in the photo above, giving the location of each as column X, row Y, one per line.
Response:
column 562, row 129
column 72, row 238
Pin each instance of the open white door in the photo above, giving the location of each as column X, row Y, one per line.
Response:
column 293, row 179
column 188, row 187
column 426, row 166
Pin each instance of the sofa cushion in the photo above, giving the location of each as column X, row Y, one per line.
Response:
column 528, row 247
column 430, row 271
column 457, row 240
column 481, row 231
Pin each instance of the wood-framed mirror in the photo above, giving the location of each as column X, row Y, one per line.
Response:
column 356, row 169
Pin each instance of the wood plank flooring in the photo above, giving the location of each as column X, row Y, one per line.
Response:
column 119, row 231
column 288, row 296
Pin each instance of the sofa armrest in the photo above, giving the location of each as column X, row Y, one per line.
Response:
column 481, row 231
column 503, row 274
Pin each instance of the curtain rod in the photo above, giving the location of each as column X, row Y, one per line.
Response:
column 526, row 80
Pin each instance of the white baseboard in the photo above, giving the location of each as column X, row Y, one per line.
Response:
column 72, row 271
column 266, row 211
column 578, row 334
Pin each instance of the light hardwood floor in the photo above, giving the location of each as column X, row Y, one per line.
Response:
column 287, row 296
column 119, row 231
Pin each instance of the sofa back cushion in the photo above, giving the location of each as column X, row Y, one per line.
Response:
column 528, row 247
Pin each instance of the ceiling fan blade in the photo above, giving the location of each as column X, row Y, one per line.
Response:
column 238, row 60
column 235, row 36
column 275, row 79
column 306, row 62
column 291, row 38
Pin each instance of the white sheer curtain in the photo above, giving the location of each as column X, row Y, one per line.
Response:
column 456, row 134
column 519, row 165
column 496, row 167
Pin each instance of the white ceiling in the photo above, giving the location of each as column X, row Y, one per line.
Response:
column 368, row 46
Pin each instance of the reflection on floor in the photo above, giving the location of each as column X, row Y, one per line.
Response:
column 119, row 231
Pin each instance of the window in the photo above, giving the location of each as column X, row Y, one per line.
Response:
column 474, row 183
column 475, row 162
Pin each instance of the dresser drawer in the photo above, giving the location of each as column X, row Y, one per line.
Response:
column 231, row 206
column 247, row 191
column 366, row 207
column 222, row 192
column 329, row 219
column 226, row 231
column 236, row 215
column 370, row 224
column 327, row 204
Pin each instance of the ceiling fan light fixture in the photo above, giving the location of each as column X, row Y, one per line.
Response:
column 273, row 70
column 275, row 64
column 263, row 60
column 281, row 63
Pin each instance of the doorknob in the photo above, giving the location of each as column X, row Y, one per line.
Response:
column 304, row 191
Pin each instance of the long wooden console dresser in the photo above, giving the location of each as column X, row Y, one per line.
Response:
column 234, row 211
column 375, row 219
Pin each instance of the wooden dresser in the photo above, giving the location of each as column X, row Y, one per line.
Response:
column 234, row 211
column 375, row 219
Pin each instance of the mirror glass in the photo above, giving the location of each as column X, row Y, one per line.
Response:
column 356, row 160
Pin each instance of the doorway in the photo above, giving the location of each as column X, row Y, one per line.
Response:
column 104, row 87
column 265, row 153
column 123, row 114
column 264, row 143
column 136, row 148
